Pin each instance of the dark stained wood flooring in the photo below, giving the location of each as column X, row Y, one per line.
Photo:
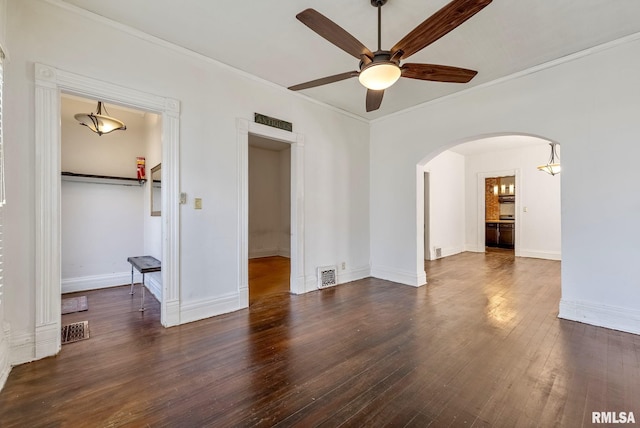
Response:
column 480, row 345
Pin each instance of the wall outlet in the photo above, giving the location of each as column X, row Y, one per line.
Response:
column 343, row 265
column 198, row 203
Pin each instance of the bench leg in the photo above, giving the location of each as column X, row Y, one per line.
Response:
column 142, row 301
column 131, row 291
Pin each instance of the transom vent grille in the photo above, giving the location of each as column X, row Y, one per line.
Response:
column 327, row 276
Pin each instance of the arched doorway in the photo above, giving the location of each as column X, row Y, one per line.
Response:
column 455, row 192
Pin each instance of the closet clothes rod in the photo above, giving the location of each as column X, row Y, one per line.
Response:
column 102, row 179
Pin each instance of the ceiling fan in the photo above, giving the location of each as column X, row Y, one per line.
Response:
column 380, row 69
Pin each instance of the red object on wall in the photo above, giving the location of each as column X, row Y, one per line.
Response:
column 140, row 163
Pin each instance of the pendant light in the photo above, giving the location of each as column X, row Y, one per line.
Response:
column 553, row 166
column 99, row 123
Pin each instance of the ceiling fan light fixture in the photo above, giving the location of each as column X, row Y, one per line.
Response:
column 379, row 75
column 99, row 123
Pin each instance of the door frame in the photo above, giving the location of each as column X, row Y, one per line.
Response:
column 49, row 84
column 481, row 176
column 296, row 140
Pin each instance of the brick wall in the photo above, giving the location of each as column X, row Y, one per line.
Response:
column 492, row 204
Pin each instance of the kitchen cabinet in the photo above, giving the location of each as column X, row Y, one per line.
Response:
column 500, row 234
column 506, row 237
column 491, row 234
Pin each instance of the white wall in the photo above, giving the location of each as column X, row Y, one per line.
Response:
column 212, row 97
column 4, row 325
column 269, row 202
column 587, row 104
column 538, row 230
column 101, row 227
column 447, row 204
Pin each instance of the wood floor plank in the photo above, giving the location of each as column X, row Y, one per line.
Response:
column 480, row 345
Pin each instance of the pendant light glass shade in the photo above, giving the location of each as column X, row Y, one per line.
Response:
column 553, row 166
column 99, row 123
column 379, row 75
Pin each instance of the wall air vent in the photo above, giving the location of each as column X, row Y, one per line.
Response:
column 327, row 276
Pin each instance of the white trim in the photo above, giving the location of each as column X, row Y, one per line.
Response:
column 615, row 318
column 399, row 276
column 5, row 366
column 243, row 129
column 22, row 347
column 95, row 282
column 207, row 308
column 547, row 255
column 153, row 285
column 49, row 83
column 264, row 252
column 348, row 275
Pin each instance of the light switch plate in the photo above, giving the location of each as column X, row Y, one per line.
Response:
column 183, row 198
column 198, row 203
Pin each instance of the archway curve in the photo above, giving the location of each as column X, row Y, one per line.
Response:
column 510, row 141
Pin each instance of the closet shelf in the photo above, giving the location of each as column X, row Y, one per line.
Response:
column 102, row 179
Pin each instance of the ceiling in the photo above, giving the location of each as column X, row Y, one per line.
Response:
column 266, row 40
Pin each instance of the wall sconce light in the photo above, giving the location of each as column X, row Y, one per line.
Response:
column 99, row 123
column 495, row 189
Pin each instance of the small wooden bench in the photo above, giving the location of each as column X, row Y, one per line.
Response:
column 144, row 264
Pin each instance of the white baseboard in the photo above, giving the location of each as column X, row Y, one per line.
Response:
column 5, row 366
column 473, row 248
column 171, row 316
column 270, row 252
column 615, row 318
column 154, row 285
column 284, row 252
column 94, row 282
column 548, row 255
column 349, row 275
column 22, row 348
column 449, row 251
column 207, row 308
column 343, row 277
column 399, row 276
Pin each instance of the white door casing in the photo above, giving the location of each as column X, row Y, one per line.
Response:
column 49, row 83
column 296, row 140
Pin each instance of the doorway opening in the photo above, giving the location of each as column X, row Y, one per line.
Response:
column 269, row 217
column 500, row 213
column 456, row 186
column 107, row 213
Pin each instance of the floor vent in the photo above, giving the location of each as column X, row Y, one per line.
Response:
column 74, row 332
column 327, row 276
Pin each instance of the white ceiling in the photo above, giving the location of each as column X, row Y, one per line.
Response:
column 266, row 40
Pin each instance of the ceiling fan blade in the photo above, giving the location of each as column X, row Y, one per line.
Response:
column 374, row 99
column 437, row 73
column 324, row 81
column 439, row 24
column 332, row 32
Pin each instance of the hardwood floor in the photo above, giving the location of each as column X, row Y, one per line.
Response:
column 480, row 345
column 268, row 276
